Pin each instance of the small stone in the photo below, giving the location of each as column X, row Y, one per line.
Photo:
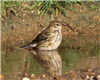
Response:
column 39, row 32
column 13, row 27
column 84, row 7
column 99, row 9
column 24, row 14
column 23, row 20
column 78, row 71
column 73, row 78
column 32, row 11
column 89, row 70
column 41, row 26
column 87, row 77
column 2, row 77
column 58, row 78
column 91, row 77
column 33, row 76
column 43, row 75
column 25, row 78
column 28, row 24
column 38, row 12
column 98, row 76
column 66, row 72
column 93, row 73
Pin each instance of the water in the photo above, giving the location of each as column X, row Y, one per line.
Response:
column 18, row 62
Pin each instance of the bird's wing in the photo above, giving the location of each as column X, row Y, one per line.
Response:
column 42, row 36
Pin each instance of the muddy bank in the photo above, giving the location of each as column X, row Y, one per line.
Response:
column 27, row 26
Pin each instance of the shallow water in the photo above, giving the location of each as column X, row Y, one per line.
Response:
column 18, row 62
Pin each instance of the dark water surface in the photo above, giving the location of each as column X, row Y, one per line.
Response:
column 18, row 62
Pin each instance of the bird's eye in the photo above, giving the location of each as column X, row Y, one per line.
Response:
column 57, row 24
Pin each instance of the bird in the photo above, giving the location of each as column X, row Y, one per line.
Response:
column 48, row 39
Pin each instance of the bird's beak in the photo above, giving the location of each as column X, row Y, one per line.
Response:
column 65, row 24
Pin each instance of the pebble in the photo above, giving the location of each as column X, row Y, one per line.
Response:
column 25, row 78
column 13, row 27
column 87, row 77
column 43, row 75
column 23, row 20
column 84, row 7
column 28, row 24
column 98, row 76
column 2, row 77
column 91, row 77
column 32, row 11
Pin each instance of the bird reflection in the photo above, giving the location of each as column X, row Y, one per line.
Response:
column 49, row 60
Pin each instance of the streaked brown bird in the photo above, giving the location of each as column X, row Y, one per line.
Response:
column 49, row 39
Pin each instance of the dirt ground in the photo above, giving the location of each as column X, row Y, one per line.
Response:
column 27, row 25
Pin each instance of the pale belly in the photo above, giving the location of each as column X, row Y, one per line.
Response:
column 51, row 44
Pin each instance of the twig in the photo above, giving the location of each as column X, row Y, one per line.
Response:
column 21, row 10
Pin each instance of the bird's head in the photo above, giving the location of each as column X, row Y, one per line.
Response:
column 58, row 24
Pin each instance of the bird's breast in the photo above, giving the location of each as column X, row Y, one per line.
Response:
column 52, row 42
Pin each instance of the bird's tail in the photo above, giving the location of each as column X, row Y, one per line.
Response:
column 23, row 47
column 29, row 46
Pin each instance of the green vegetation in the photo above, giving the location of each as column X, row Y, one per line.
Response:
column 92, row 6
column 51, row 7
column 54, row 7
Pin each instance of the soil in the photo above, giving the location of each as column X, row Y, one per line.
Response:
column 27, row 25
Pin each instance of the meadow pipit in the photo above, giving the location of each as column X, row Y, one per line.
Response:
column 49, row 39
